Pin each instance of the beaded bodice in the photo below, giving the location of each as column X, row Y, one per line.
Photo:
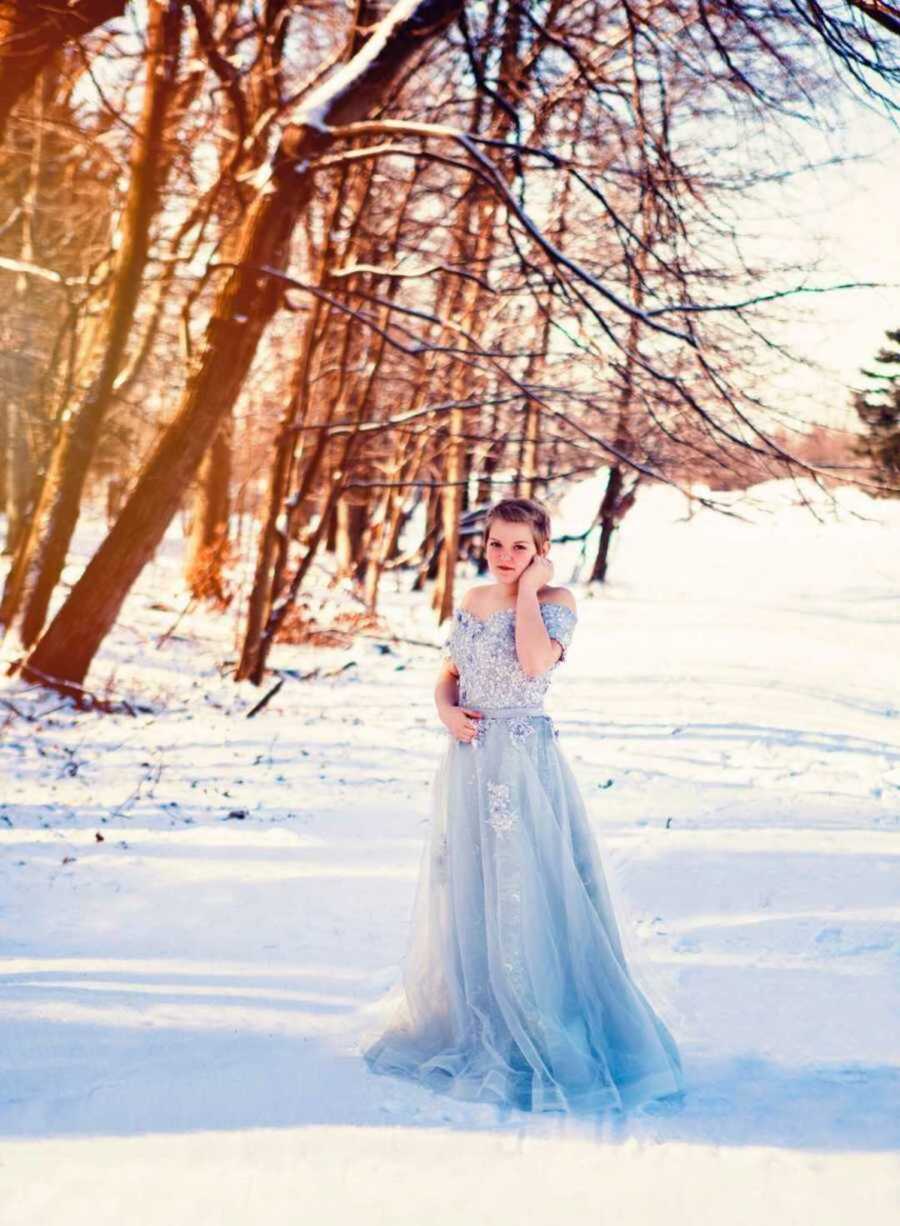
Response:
column 484, row 651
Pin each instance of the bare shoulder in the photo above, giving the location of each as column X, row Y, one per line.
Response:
column 559, row 595
column 477, row 599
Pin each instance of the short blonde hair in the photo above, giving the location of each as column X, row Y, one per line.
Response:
column 520, row 511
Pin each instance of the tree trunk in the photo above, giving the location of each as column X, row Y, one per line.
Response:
column 208, row 545
column 457, row 466
column 529, row 454
column 282, row 512
column 615, row 503
column 43, row 555
column 272, row 551
column 430, row 552
column 606, row 515
column 274, row 534
column 451, row 508
column 279, row 610
column 243, row 308
column 384, row 541
column 19, row 475
column 492, row 459
column 280, row 518
column 5, row 444
column 500, row 121
column 351, row 521
column 20, row 364
column 349, row 517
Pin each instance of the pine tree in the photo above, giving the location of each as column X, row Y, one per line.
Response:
column 878, row 407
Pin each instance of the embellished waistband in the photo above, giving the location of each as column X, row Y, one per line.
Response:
column 516, row 720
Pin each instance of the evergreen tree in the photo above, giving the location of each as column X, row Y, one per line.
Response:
column 878, row 406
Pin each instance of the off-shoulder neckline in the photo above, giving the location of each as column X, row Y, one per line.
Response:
column 482, row 621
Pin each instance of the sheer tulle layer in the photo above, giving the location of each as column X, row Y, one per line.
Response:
column 515, row 987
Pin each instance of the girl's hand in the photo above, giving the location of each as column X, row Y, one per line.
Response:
column 462, row 722
column 536, row 574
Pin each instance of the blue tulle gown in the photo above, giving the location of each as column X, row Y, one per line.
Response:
column 515, row 988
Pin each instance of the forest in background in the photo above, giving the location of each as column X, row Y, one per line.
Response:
column 300, row 271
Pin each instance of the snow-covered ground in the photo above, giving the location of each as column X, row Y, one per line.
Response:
column 200, row 911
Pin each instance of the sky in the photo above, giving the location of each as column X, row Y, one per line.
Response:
column 845, row 218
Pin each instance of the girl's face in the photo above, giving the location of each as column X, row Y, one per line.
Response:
column 510, row 548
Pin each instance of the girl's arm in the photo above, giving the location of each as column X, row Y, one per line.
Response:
column 459, row 721
column 446, row 691
column 536, row 650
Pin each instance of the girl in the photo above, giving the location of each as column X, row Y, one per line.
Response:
column 515, row 987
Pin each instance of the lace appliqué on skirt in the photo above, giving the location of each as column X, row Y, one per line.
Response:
column 520, row 730
column 440, row 865
column 502, row 815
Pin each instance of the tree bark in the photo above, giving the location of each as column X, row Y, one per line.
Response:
column 475, row 248
column 18, row 472
column 20, row 363
column 351, row 522
column 42, row 556
column 606, row 515
column 243, row 308
column 384, row 535
column 430, row 547
column 208, row 543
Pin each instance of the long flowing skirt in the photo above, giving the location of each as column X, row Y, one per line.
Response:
column 515, row 986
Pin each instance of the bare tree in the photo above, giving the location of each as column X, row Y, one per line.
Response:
column 540, row 292
column 41, row 557
column 249, row 297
